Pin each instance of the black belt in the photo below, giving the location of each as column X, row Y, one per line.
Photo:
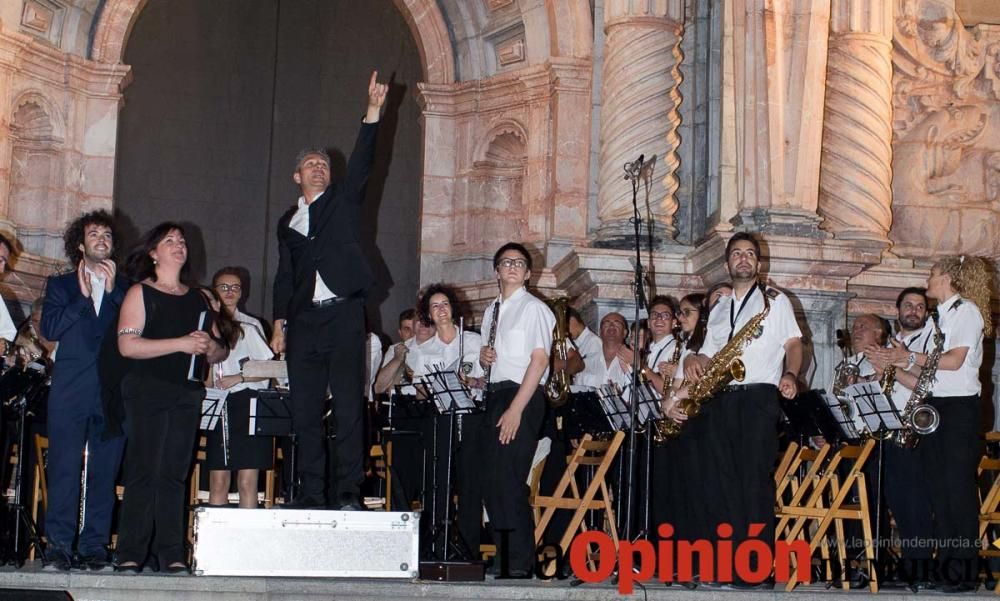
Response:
column 747, row 387
column 326, row 302
column 494, row 387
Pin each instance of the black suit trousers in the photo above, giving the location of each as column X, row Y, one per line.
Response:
column 326, row 350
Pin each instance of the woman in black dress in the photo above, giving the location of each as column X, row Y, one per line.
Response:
column 158, row 329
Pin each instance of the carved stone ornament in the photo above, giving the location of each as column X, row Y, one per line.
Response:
column 946, row 133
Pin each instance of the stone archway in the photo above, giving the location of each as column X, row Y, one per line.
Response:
column 427, row 24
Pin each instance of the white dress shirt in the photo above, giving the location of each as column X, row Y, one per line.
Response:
column 414, row 360
column 300, row 223
column 920, row 341
column 525, row 323
column 8, row 331
column 962, row 325
column 374, row 345
column 96, row 289
column 251, row 345
column 660, row 351
column 438, row 352
column 588, row 344
column 764, row 356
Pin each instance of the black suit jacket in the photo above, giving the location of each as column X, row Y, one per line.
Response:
column 333, row 245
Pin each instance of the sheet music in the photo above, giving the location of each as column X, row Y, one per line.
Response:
column 614, row 407
column 873, row 406
column 837, row 410
column 448, row 390
column 649, row 402
column 212, row 407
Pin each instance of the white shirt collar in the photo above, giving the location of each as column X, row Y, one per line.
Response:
column 948, row 304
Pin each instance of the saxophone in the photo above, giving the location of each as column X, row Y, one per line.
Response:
column 660, row 426
column 723, row 368
column 557, row 388
column 918, row 417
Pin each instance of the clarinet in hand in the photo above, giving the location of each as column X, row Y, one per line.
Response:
column 491, row 340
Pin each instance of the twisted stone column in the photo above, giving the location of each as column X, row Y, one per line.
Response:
column 639, row 115
column 856, row 173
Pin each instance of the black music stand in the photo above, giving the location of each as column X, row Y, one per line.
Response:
column 585, row 415
column 21, row 386
column 882, row 420
column 809, row 414
column 451, row 397
column 271, row 415
column 619, row 414
column 214, row 409
column 648, row 409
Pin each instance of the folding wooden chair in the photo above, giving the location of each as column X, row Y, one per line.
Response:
column 597, row 453
column 381, row 461
column 40, row 494
column 989, row 502
column 822, row 504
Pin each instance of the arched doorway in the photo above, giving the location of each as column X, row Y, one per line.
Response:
column 224, row 94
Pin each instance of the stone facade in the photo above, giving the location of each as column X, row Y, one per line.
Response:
column 858, row 136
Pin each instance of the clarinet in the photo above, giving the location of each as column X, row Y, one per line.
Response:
column 489, row 343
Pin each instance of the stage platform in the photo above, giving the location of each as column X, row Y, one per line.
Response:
column 109, row 586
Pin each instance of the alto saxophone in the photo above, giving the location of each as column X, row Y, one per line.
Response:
column 724, row 367
column 918, row 417
column 660, row 426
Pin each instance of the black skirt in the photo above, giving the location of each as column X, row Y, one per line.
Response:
column 245, row 452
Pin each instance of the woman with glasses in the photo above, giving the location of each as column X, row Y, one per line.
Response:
column 683, row 475
column 247, row 454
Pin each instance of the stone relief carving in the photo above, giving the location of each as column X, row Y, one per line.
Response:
column 946, row 133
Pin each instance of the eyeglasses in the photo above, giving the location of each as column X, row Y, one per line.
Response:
column 229, row 288
column 512, row 263
column 688, row 312
column 654, row 315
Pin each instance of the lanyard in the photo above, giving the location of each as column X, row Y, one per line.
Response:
column 733, row 318
column 656, row 359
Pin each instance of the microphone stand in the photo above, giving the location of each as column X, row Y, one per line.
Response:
column 633, row 173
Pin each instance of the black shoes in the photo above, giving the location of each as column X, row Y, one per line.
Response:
column 348, row 502
column 304, row 503
column 95, row 562
column 958, row 588
column 178, row 568
column 60, row 561
column 128, row 567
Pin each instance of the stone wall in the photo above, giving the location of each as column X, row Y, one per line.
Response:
column 858, row 136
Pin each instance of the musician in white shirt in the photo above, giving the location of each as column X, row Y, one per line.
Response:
column 517, row 363
column 451, row 348
column 905, row 491
column 741, row 439
column 962, row 287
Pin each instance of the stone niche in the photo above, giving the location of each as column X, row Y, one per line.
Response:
column 37, row 160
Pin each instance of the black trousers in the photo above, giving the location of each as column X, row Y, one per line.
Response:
column 950, row 457
column 326, row 350
column 505, row 470
column 906, row 495
column 161, row 435
column 740, row 449
column 468, row 483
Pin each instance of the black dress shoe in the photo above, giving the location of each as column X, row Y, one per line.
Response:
column 516, row 575
column 60, row 561
column 95, row 562
column 304, row 503
column 958, row 588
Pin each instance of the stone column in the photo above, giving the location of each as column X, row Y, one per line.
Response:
column 855, row 173
column 639, row 115
column 779, row 76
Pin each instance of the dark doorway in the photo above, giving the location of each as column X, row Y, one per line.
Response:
column 224, row 94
